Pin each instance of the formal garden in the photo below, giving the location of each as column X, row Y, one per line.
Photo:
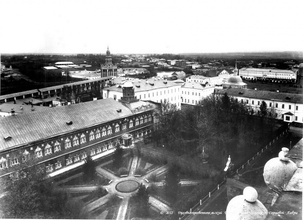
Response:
column 184, row 160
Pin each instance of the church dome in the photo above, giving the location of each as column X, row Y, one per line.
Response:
column 246, row 206
column 128, row 84
column 235, row 80
column 278, row 171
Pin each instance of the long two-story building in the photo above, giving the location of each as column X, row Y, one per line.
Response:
column 285, row 106
column 60, row 139
column 156, row 90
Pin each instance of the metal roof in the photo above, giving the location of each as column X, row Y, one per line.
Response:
column 29, row 127
column 262, row 94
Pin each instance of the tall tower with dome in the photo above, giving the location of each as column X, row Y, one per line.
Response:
column 108, row 69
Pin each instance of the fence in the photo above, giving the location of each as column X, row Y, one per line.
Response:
column 207, row 197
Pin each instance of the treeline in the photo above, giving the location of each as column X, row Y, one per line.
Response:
column 219, row 124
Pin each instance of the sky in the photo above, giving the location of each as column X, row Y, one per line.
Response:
column 150, row 26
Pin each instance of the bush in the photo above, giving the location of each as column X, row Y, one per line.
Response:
column 140, row 171
column 122, row 171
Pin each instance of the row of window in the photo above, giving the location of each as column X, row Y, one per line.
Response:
column 75, row 141
column 70, row 160
column 270, row 104
column 157, row 93
column 190, row 102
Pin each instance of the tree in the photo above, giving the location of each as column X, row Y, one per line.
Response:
column 263, row 109
column 118, row 157
column 29, row 195
column 172, row 183
column 89, row 169
column 141, row 202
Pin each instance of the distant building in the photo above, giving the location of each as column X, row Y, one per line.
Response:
column 156, row 90
column 108, row 69
column 172, row 74
column 193, row 93
column 286, row 106
column 132, row 71
column 273, row 75
column 213, row 81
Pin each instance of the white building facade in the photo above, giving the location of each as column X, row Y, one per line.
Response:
column 268, row 74
column 156, row 90
column 286, row 106
column 193, row 93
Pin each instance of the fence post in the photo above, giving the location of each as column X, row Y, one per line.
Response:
column 209, row 194
column 200, row 201
column 218, row 187
column 190, row 210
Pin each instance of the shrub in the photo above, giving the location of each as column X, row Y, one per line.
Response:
column 122, row 171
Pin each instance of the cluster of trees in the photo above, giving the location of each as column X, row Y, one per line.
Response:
column 29, row 195
column 219, row 124
column 140, row 204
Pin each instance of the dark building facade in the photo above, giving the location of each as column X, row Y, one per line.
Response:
column 60, row 139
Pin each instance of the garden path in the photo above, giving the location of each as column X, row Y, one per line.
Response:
column 123, row 209
column 106, row 173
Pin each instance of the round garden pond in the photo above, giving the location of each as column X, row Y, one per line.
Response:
column 127, row 186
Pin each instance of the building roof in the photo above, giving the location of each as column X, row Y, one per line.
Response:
column 195, row 86
column 235, row 80
column 267, row 70
column 142, row 85
column 20, row 108
column 30, row 127
column 50, row 67
column 264, row 95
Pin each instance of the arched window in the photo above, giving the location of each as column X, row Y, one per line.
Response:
column 84, row 155
column 141, row 120
column 98, row 135
column 25, row 156
column 92, row 152
column 137, row 122
column 14, row 161
column 82, row 139
column 130, row 123
column 38, row 152
column 49, row 168
column 91, row 136
column 109, row 130
column 57, row 147
column 48, row 150
column 117, row 128
column 124, row 126
column 58, row 165
column 67, row 143
column 103, row 132
column 69, row 161
column 75, row 141
column 3, row 163
column 76, row 158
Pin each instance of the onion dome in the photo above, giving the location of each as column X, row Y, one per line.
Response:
column 278, row 171
column 235, row 80
column 246, row 206
column 128, row 84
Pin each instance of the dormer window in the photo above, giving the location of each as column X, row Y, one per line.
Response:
column 119, row 110
column 69, row 122
column 7, row 138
